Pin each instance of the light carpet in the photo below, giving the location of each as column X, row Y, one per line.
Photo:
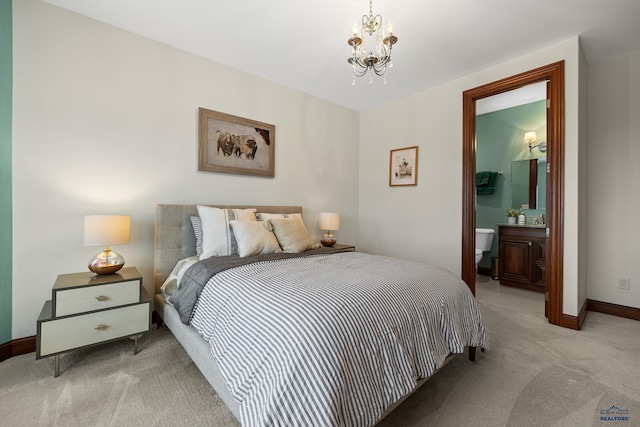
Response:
column 536, row 374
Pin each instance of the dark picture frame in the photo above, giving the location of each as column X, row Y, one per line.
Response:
column 403, row 166
column 235, row 145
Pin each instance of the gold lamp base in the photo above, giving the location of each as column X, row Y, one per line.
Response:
column 328, row 240
column 106, row 262
column 108, row 269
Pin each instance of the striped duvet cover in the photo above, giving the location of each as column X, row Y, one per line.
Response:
column 332, row 340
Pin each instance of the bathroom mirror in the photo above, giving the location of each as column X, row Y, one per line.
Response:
column 529, row 184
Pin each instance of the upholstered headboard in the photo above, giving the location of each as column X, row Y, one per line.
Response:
column 174, row 237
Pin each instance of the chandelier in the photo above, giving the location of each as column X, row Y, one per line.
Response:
column 376, row 60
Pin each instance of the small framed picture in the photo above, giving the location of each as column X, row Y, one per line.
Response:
column 403, row 166
column 232, row 144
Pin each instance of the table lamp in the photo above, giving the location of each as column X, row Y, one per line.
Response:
column 329, row 221
column 106, row 230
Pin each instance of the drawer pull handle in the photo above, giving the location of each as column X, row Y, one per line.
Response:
column 101, row 327
column 530, row 244
column 102, row 298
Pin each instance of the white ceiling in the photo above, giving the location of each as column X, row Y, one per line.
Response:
column 302, row 44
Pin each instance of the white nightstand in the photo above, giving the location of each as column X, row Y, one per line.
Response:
column 86, row 309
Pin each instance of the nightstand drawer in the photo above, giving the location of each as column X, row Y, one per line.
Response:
column 98, row 297
column 78, row 331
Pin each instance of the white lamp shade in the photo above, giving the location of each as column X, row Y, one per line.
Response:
column 329, row 221
column 101, row 230
column 529, row 137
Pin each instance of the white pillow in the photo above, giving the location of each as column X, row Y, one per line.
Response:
column 267, row 216
column 254, row 239
column 173, row 281
column 291, row 234
column 217, row 236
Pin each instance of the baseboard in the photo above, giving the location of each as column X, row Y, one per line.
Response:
column 5, row 351
column 614, row 309
column 575, row 322
column 17, row 347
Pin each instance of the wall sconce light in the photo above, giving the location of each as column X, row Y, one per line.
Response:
column 106, row 230
column 530, row 138
column 329, row 221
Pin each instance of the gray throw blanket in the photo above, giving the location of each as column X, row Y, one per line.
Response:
column 184, row 299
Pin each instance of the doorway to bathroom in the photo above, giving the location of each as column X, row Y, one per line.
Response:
column 511, row 130
column 553, row 75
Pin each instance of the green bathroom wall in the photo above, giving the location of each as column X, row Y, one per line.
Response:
column 6, row 82
column 499, row 141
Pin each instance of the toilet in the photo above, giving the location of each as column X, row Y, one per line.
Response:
column 484, row 241
column 478, row 257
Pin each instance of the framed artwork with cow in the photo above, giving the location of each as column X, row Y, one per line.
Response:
column 232, row 144
column 403, row 166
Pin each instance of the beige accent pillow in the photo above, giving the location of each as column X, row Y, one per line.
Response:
column 217, row 237
column 291, row 234
column 261, row 216
column 254, row 239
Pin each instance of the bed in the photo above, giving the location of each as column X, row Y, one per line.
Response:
column 310, row 339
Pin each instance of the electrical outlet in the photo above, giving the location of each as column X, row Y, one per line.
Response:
column 624, row 284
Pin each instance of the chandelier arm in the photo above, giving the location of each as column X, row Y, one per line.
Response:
column 360, row 73
column 380, row 70
column 360, row 70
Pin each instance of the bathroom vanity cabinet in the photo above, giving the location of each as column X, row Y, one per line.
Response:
column 522, row 256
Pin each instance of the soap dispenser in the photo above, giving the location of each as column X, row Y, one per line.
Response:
column 521, row 219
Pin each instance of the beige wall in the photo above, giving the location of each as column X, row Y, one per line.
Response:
column 105, row 121
column 81, row 86
column 614, row 176
column 424, row 222
column 583, row 184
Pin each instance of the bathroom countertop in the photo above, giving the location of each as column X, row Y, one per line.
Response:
column 503, row 224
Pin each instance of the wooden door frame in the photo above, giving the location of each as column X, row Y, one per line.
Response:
column 554, row 75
